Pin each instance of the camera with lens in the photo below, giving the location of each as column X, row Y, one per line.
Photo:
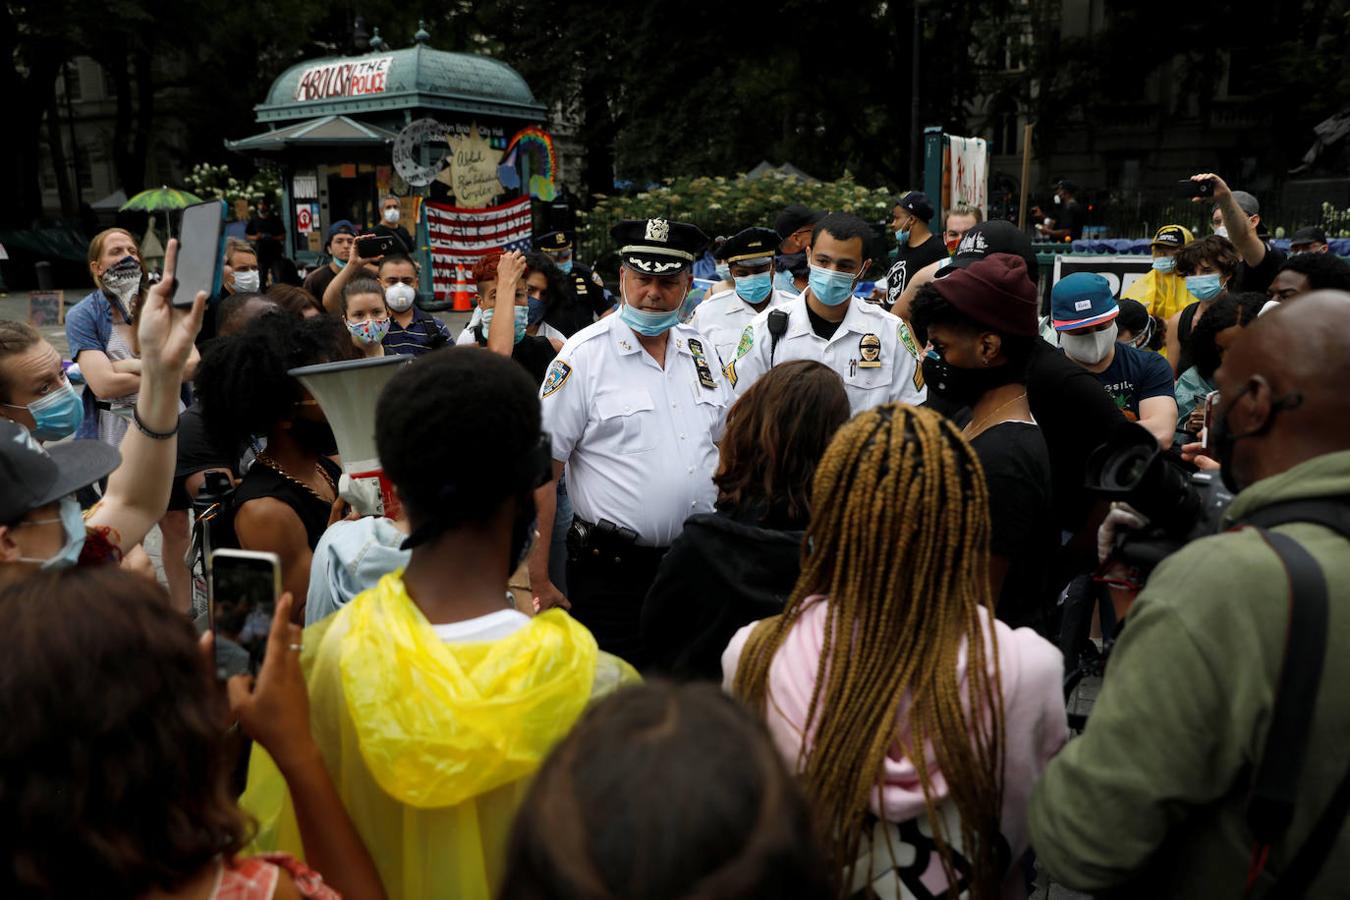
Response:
column 1180, row 503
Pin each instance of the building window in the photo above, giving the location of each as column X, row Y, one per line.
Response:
column 70, row 75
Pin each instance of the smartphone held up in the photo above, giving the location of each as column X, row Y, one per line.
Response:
column 245, row 587
column 201, row 252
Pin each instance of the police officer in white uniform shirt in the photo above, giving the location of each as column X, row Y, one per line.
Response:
column 872, row 350
column 722, row 317
column 634, row 404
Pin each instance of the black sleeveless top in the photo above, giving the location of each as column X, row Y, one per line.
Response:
column 1185, row 325
column 261, row 481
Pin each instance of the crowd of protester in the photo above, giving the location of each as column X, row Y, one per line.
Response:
column 761, row 595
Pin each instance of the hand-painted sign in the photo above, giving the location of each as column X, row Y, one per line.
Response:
column 357, row 78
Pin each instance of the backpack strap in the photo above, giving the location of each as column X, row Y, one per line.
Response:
column 1329, row 512
column 778, row 323
column 1270, row 805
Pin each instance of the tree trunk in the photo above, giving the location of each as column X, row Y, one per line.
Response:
column 145, row 118
column 57, row 149
column 28, row 98
column 598, row 132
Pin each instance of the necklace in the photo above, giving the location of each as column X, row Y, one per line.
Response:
column 974, row 428
column 272, row 464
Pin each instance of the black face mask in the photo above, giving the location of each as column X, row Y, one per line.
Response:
column 315, row 437
column 1224, row 441
column 963, row 386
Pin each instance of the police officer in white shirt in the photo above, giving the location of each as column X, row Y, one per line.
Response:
column 722, row 317
column 634, row 404
column 872, row 350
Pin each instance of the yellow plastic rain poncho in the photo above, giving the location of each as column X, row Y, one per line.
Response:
column 431, row 744
column 1163, row 294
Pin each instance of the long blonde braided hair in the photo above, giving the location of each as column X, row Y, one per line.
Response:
column 899, row 543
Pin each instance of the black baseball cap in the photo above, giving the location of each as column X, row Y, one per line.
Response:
column 916, row 203
column 995, row 236
column 31, row 476
column 1310, row 235
column 794, row 218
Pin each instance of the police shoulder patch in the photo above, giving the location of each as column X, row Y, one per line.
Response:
column 907, row 339
column 729, row 370
column 558, row 373
column 747, row 341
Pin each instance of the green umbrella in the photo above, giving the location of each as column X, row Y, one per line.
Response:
column 161, row 198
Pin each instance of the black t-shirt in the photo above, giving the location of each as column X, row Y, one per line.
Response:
column 266, row 228
column 822, row 326
column 1076, row 417
column 581, row 304
column 317, row 282
column 533, row 351
column 908, row 261
column 1022, row 522
column 1072, row 217
column 1258, row 278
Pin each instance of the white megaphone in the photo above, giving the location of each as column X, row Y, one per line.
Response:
column 347, row 392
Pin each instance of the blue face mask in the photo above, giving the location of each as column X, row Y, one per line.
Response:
column 782, row 281
column 340, row 263
column 566, row 266
column 537, row 310
column 754, row 288
column 56, row 415
column 648, row 322
column 902, row 236
column 1204, row 287
column 522, row 315
column 1164, row 263
column 830, row 287
column 72, row 523
column 723, row 271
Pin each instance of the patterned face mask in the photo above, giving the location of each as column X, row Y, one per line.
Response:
column 121, row 284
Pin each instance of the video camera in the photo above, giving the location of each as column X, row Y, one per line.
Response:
column 1180, row 502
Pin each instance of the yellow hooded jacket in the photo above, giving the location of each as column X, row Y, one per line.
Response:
column 431, row 744
column 1163, row 294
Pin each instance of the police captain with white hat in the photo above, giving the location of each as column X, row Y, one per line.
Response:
column 722, row 317
column 872, row 350
column 634, row 404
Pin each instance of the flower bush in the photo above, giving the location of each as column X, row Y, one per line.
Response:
column 1335, row 222
column 219, row 183
column 724, row 206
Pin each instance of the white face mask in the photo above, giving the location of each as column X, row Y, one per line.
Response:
column 399, row 296
column 1089, row 349
column 246, row 282
column 391, row 215
column 1221, row 231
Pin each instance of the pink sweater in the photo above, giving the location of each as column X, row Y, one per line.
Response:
column 1033, row 703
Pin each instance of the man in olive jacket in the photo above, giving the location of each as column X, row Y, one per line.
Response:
column 1150, row 800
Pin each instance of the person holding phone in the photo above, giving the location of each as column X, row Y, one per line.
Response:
column 366, row 315
column 338, row 241
column 109, row 783
column 357, row 266
column 285, row 500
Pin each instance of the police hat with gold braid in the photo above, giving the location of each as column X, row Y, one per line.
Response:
column 751, row 247
column 658, row 246
column 553, row 242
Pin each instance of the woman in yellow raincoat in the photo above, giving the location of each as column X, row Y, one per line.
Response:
column 432, row 699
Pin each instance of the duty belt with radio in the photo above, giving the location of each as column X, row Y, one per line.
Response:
column 601, row 539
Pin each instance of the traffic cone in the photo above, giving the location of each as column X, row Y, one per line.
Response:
column 462, row 297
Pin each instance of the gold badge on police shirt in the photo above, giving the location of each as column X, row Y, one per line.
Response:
column 869, row 348
column 705, row 376
column 658, row 230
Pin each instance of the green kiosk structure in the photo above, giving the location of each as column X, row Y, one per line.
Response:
column 345, row 132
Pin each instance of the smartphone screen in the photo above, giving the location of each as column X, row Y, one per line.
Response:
column 374, row 245
column 1211, row 403
column 201, row 251
column 245, row 586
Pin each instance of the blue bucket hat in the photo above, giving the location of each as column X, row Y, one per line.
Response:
column 1081, row 300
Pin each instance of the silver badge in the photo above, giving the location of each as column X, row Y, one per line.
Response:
column 658, row 230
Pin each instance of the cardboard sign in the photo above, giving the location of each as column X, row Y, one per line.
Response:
column 473, row 170
column 45, row 308
column 1121, row 271
column 355, row 78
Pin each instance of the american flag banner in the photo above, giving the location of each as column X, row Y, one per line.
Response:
column 459, row 237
